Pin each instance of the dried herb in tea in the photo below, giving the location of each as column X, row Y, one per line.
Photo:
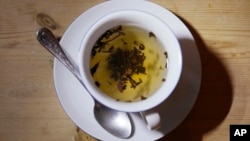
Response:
column 105, row 38
column 123, row 64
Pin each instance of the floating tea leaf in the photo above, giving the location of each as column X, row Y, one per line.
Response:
column 93, row 69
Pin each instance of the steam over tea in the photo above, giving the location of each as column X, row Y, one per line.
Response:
column 128, row 63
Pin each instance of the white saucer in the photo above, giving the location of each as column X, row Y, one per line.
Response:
column 79, row 105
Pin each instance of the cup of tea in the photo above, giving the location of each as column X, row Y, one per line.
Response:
column 130, row 61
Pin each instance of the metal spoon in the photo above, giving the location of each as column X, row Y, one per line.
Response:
column 115, row 122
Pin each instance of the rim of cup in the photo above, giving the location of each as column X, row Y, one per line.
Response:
column 142, row 20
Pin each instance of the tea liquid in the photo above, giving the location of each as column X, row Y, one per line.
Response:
column 128, row 63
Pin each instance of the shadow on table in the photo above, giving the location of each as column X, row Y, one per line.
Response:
column 213, row 102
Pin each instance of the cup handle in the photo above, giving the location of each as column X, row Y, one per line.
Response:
column 152, row 119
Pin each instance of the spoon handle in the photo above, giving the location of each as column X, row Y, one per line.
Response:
column 50, row 42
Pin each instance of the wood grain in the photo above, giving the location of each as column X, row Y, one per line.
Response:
column 30, row 110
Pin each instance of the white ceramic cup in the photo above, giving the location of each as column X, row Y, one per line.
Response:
column 164, row 36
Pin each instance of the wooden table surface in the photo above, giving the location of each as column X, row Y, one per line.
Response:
column 30, row 109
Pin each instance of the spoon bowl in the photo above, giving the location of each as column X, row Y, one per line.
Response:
column 115, row 122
